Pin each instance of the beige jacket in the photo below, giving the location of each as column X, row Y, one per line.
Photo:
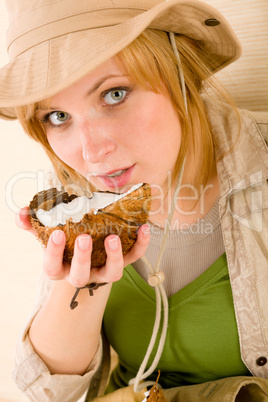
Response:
column 243, row 175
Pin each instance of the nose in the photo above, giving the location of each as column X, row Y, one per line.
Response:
column 96, row 141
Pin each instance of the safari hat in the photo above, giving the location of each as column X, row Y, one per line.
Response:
column 53, row 43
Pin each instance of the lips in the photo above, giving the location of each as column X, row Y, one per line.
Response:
column 117, row 173
column 116, row 178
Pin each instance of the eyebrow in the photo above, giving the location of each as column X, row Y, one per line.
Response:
column 93, row 89
column 101, row 81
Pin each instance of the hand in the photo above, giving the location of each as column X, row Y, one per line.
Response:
column 79, row 273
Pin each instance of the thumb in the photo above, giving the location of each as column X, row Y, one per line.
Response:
column 23, row 220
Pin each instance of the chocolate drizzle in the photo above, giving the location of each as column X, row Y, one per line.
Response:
column 48, row 199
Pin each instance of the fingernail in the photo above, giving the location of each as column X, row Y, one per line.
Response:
column 19, row 218
column 23, row 212
column 83, row 242
column 57, row 236
column 146, row 230
column 113, row 243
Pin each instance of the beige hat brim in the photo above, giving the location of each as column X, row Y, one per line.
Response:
column 43, row 70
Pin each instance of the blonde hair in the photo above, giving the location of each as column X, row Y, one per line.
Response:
column 150, row 61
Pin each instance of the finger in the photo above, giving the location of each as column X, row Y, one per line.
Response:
column 80, row 267
column 113, row 269
column 139, row 248
column 22, row 220
column 53, row 256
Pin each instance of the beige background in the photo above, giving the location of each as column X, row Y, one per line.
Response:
column 20, row 253
column 24, row 168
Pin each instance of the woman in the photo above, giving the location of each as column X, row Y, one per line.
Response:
column 120, row 93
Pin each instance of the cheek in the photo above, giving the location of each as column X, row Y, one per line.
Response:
column 65, row 150
column 56, row 146
column 160, row 130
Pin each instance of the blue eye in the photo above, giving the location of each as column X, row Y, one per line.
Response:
column 115, row 96
column 57, row 118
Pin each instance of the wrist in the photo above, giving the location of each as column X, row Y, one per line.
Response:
column 63, row 293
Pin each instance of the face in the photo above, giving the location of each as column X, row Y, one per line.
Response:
column 113, row 131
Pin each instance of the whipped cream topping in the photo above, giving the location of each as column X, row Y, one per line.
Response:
column 78, row 207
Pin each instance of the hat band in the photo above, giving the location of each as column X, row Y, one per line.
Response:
column 63, row 26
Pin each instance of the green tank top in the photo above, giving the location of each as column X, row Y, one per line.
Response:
column 202, row 339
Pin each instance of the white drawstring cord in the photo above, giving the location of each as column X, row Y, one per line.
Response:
column 161, row 297
column 141, row 375
column 182, row 80
column 158, row 275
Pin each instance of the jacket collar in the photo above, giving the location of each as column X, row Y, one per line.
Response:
column 242, row 155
